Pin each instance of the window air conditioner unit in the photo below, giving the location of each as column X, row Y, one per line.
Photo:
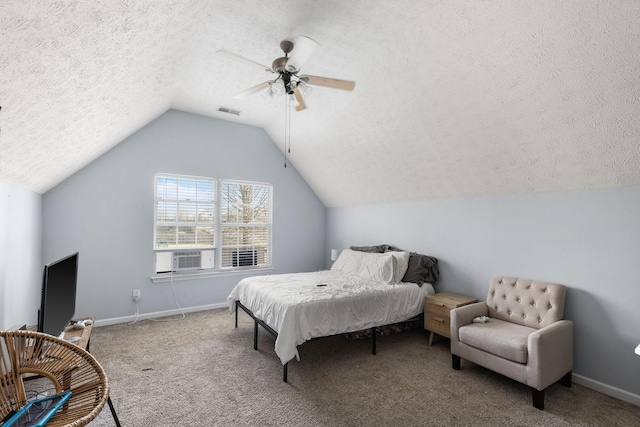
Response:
column 164, row 262
column 244, row 258
column 187, row 260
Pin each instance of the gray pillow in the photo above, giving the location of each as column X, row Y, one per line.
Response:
column 422, row 268
column 380, row 249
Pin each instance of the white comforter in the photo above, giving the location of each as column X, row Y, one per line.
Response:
column 298, row 309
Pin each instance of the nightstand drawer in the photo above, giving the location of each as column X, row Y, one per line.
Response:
column 438, row 325
column 437, row 309
column 437, row 312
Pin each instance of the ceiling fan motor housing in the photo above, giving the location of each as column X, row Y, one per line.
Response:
column 279, row 64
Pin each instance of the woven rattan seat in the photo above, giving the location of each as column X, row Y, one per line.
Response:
column 26, row 354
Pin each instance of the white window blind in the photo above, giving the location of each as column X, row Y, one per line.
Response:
column 231, row 218
column 246, row 224
column 185, row 212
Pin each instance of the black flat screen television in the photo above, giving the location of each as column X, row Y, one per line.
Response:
column 58, row 303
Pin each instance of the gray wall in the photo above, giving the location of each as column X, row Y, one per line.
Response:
column 588, row 240
column 105, row 211
column 20, row 266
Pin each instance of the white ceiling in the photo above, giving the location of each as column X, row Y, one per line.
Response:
column 453, row 98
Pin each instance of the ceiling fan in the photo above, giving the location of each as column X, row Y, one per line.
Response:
column 288, row 79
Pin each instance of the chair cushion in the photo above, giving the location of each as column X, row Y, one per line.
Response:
column 503, row 339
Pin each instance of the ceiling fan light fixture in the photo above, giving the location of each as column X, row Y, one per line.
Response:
column 277, row 88
column 304, row 88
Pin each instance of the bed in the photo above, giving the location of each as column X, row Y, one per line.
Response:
column 362, row 290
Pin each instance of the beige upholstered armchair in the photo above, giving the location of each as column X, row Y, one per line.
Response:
column 525, row 338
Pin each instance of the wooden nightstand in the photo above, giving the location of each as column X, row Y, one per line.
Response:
column 436, row 312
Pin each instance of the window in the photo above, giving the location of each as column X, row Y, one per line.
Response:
column 246, row 224
column 185, row 212
column 210, row 224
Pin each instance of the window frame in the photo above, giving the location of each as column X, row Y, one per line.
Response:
column 268, row 225
column 218, row 245
column 178, row 223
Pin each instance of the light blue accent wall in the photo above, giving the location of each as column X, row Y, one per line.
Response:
column 105, row 212
column 588, row 240
column 20, row 266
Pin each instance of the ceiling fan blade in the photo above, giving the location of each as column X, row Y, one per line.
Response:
column 255, row 89
column 241, row 58
column 303, row 48
column 301, row 105
column 328, row 82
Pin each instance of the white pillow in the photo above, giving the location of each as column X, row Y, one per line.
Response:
column 369, row 266
column 347, row 262
column 402, row 263
column 378, row 267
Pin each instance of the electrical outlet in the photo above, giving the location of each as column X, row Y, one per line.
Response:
column 136, row 295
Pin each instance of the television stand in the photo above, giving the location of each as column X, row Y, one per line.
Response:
column 82, row 338
column 79, row 337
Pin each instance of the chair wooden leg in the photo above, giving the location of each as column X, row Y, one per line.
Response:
column 538, row 398
column 455, row 362
column 566, row 380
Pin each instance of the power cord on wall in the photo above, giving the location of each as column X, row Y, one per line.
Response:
column 175, row 298
column 137, row 313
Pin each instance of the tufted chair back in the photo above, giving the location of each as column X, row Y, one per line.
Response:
column 526, row 302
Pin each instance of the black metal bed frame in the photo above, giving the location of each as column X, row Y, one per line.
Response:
column 256, row 322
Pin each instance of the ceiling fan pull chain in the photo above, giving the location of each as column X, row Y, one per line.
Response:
column 289, row 120
column 286, row 119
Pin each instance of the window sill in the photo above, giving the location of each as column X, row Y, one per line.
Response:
column 177, row 277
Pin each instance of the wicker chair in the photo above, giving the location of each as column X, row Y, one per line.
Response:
column 25, row 354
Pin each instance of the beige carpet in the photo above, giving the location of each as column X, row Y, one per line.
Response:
column 201, row 371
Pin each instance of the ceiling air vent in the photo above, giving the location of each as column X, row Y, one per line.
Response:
column 229, row 111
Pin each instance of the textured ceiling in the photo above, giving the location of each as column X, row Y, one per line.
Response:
column 453, row 98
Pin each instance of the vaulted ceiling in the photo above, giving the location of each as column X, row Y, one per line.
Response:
column 452, row 98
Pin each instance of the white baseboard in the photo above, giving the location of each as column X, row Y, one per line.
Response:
column 143, row 316
column 606, row 389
